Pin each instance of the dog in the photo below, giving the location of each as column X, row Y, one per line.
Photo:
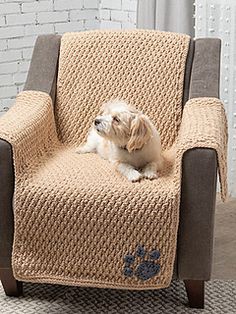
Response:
column 127, row 138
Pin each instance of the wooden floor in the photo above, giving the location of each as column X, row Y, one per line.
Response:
column 224, row 262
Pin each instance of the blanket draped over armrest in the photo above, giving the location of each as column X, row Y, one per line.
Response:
column 77, row 221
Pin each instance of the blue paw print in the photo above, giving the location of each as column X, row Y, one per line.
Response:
column 148, row 266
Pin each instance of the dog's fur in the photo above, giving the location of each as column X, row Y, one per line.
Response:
column 127, row 138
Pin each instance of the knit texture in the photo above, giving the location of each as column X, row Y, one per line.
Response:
column 79, row 222
column 145, row 68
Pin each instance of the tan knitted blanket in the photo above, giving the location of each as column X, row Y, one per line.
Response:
column 77, row 221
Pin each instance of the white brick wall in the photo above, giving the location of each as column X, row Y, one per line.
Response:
column 36, row 6
column 107, row 4
column 21, row 21
column 119, row 14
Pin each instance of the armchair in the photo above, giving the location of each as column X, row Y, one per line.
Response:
column 37, row 116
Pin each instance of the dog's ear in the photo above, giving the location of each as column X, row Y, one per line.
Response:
column 140, row 133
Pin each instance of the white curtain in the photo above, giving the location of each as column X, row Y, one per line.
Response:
column 166, row 15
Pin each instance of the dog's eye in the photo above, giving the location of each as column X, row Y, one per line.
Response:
column 116, row 119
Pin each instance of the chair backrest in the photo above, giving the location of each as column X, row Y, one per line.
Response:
column 144, row 67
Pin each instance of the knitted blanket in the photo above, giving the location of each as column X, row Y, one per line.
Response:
column 77, row 221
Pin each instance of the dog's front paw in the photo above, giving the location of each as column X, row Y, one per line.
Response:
column 134, row 176
column 81, row 150
column 150, row 171
column 149, row 174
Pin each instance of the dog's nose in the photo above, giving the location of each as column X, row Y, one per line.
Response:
column 97, row 121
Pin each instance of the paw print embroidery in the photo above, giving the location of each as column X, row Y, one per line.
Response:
column 148, row 266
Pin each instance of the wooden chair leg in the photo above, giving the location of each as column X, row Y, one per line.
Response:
column 195, row 293
column 11, row 286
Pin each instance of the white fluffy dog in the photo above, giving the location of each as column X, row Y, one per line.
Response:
column 127, row 138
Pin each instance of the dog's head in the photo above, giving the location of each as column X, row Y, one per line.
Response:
column 123, row 125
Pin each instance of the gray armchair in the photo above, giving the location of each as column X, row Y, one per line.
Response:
column 194, row 252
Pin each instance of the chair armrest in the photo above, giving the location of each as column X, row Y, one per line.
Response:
column 29, row 127
column 197, row 211
column 204, row 125
column 202, row 144
column 42, row 75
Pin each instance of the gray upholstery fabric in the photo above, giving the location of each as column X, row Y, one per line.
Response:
column 188, row 70
column 43, row 68
column 6, row 213
column 197, row 212
column 206, row 68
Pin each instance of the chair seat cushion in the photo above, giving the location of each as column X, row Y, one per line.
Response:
column 88, row 219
